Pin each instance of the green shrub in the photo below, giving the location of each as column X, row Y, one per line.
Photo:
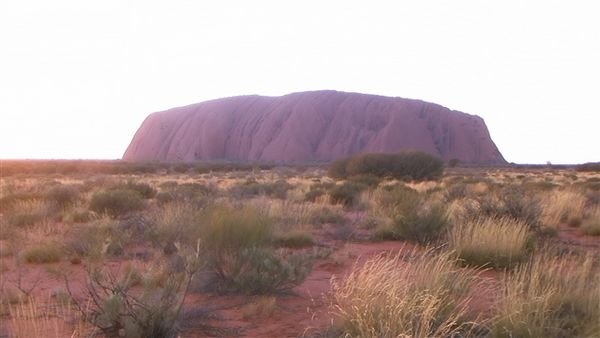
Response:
column 317, row 190
column 277, row 189
column 239, row 242
column 97, row 238
column 43, row 253
column 187, row 192
column 396, row 199
column 176, row 222
column 347, row 193
column 295, row 239
column 257, row 270
column 326, row 215
column 144, row 189
column 422, row 224
column 368, row 180
column 63, row 196
column 153, row 312
column 228, row 228
column 28, row 212
column 513, row 202
column 337, row 168
column 116, row 202
column 405, row 165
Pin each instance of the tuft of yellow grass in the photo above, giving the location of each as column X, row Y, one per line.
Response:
column 560, row 206
column 497, row 242
column 591, row 226
column 550, row 297
column 45, row 318
column 419, row 294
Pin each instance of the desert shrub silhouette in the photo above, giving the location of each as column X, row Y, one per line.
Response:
column 409, row 165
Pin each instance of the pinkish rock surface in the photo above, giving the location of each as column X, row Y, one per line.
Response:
column 310, row 127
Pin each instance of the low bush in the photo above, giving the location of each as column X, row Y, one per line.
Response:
column 116, row 202
column 295, row 239
column 96, row 239
column 512, row 202
column 239, row 244
column 228, row 228
column 43, row 253
column 144, row 189
column 397, row 199
column 176, row 222
column 63, row 196
column 368, row 180
column 495, row 242
column 119, row 312
column 347, row 193
column 550, row 297
column 28, row 212
column 250, row 188
column 413, row 165
column 187, row 192
column 326, row 215
column 415, row 294
column 257, row 270
column 423, row 224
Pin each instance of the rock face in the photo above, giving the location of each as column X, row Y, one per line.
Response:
column 310, row 127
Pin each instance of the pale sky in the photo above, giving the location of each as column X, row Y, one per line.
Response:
column 77, row 78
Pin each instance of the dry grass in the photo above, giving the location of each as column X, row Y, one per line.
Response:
column 550, row 297
column 562, row 206
column 47, row 318
column 29, row 212
column 496, row 242
column 421, row 294
column 591, row 226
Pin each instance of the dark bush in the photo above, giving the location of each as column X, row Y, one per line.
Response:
column 317, row 190
column 295, row 239
column 116, row 202
column 347, row 193
column 412, row 165
column 397, row 199
column 369, row 180
column 145, row 190
column 277, row 189
column 337, row 169
column 421, row 226
column 239, row 244
column 590, row 166
column 63, row 196
column 511, row 201
column 262, row 271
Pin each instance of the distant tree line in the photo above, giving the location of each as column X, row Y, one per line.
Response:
column 408, row 165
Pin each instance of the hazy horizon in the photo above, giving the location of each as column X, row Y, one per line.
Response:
column 79, row 78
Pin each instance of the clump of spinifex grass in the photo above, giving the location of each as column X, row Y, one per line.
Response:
column 496, row 242
column 550, row 297
column 562, row 207
column 421, row 294
column 591, row 226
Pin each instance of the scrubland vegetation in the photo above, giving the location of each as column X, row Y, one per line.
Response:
column 373, row 246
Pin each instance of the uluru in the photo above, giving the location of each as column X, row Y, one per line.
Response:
column 315, row 126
